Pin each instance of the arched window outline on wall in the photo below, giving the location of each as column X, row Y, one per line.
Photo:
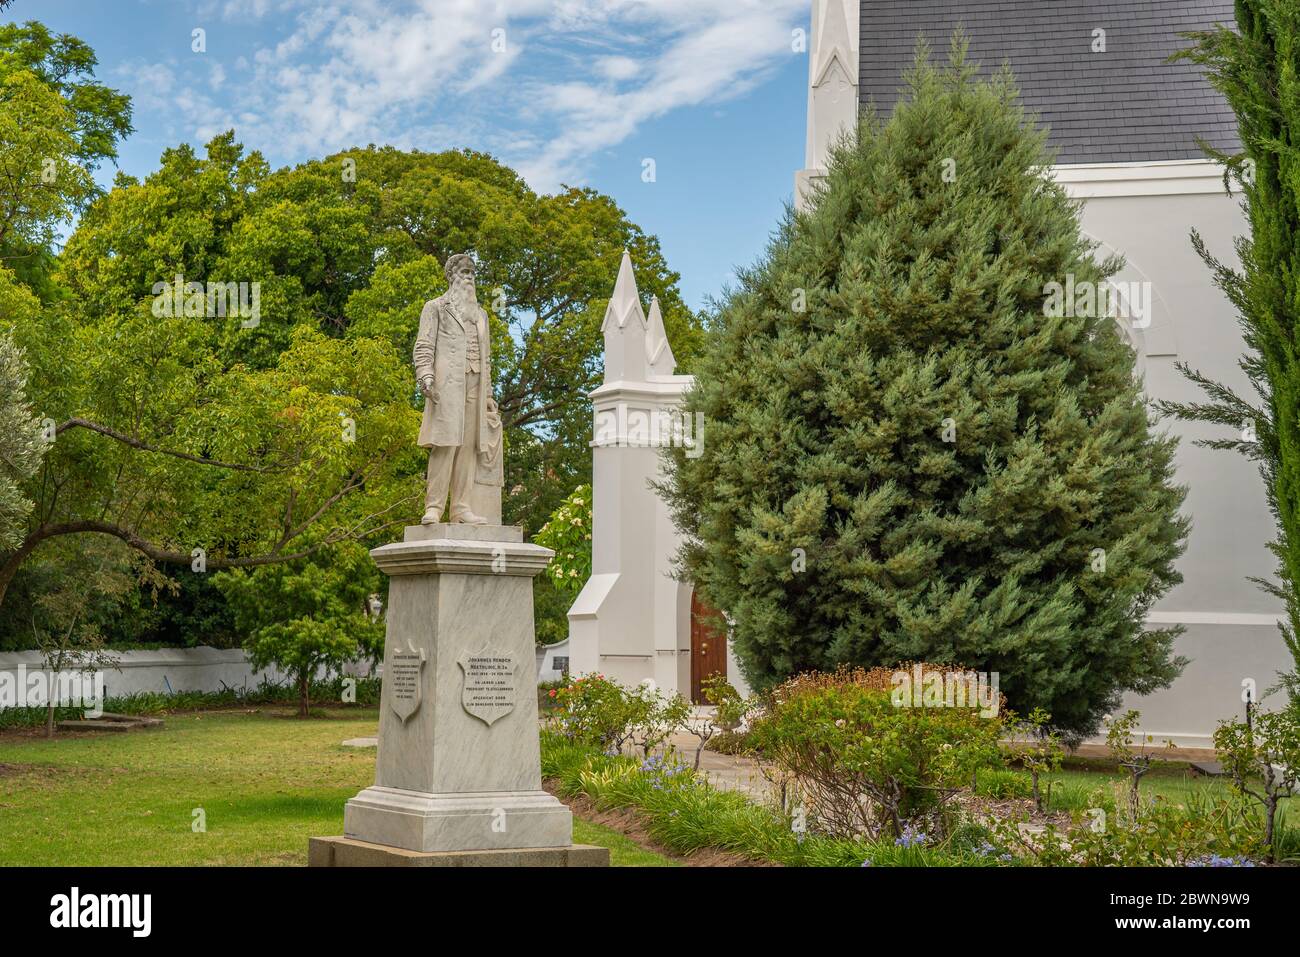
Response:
column 1156, row 337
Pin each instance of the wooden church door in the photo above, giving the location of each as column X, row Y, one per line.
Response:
column 708, row 646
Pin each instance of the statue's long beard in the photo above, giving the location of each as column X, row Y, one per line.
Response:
column 462, row 294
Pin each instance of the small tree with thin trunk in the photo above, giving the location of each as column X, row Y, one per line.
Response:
column 80, row 584
column 1041, row 752
column 1263, row 757
column 1120, row 735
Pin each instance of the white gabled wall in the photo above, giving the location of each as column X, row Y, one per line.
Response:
column 628, row 621
column 1146, row 212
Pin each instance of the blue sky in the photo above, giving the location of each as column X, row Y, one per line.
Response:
column 578, row 92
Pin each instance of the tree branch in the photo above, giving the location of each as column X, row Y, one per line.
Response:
column 146, row 447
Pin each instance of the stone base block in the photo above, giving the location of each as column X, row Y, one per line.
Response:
column 476, row 820
column 345, row 852
column 452, row 531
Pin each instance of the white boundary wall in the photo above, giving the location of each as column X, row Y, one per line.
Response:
column 172, row 669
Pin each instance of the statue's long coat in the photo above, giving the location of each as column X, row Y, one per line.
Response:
column 440, row 347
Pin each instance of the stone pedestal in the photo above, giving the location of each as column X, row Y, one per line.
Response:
column 342, row 852
column 458, row 767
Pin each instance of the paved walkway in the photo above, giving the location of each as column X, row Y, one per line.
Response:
column 726, row 772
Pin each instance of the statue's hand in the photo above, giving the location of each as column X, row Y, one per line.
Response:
column 493, row 414
column 430, row 392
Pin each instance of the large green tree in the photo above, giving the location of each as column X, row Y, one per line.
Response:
column 911, row 454
column 180, row 432
column 1257, row 67
column 66, row 65
column 57, row 124
column 184, row 453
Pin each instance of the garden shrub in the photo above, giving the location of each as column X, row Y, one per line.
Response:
column 683, row 813
column 863, row 765
column 594, row 710
column 1206, row 833
column 597, row 711
column 545, row 698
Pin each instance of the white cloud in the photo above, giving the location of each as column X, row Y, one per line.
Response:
column 617, row 67
column 148, row 83
column 575, row 77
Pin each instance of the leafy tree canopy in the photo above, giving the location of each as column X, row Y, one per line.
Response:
column 262, row 441
column 56, row 126
column 66, row 65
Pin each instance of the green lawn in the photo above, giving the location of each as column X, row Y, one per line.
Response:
column 266, row 782
column 1085, row 783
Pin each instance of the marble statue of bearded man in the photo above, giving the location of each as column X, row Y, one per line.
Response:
column 461, row 427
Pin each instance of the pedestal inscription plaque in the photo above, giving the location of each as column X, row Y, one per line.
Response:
column 404, row 673
column 488, row 692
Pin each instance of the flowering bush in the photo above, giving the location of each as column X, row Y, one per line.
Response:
column 568, row 534
column 664, row 774
column 865, row 766
column 597, row 711
column 1210, row 833
column 594, row 710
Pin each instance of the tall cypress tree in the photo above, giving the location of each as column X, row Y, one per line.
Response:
column 909, row 453
column 1258, row 70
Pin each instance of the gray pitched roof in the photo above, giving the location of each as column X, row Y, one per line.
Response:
column 1124, row 105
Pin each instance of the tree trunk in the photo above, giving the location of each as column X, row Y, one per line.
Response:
column 1270, row 809
column 9, row 562
column 49, row 718
column 304, row 688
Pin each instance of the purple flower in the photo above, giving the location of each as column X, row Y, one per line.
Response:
column 1214, row 860
column 911, row 837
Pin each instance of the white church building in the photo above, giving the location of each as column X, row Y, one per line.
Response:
column 1125, row 124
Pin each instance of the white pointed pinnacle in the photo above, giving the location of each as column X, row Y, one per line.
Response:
column 834, row 42
column 626, row 301
column 658, row 353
